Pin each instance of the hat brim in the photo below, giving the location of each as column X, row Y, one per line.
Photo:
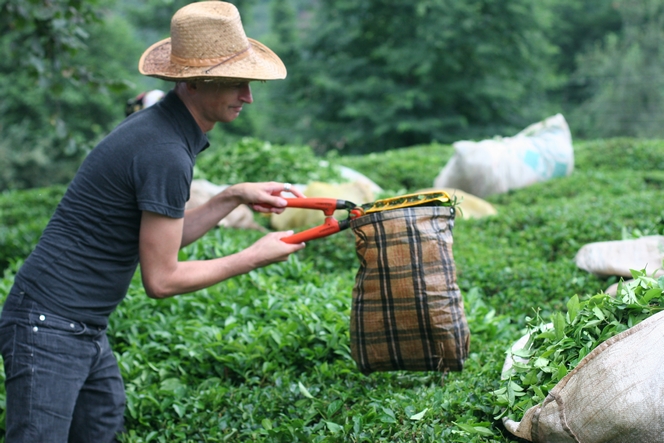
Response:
column 258, row 63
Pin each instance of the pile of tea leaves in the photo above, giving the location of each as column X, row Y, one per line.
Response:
column 557, row 344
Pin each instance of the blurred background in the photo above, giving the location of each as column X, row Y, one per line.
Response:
column 363, row 76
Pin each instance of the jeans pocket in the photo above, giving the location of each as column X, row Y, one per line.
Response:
column 58, row 336
column 54, row 324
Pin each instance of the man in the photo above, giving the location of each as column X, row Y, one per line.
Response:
column 125, row 206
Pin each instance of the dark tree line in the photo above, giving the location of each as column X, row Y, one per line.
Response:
column 363, row 76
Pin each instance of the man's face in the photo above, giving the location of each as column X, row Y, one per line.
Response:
column 222, row 102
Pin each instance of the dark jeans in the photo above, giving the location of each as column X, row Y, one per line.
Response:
column 63, row 382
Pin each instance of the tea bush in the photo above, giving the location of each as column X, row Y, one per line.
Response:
column 251, row 160
column 23, row 216
column 405, row 169
column 619, row 154
column 265, row 356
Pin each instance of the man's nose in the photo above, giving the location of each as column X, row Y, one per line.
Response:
column 245, row 94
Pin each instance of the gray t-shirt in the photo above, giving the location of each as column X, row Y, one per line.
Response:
column 87, row 255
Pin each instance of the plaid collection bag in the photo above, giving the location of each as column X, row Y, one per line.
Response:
column 407, row 310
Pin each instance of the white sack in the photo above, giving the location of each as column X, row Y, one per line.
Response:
column 539, row 153
column 619, row 256
column 351, row 175
column 614, row 395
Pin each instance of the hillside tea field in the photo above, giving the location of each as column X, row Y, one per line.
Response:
column 266, row 356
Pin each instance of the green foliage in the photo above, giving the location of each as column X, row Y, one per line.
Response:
column 45, row 35
column 557, row 344
column 618, row 154
column 265, row 356
column 363, row 76
column 524, row 256
column 622, row 77
column 332, row 254
column 408, row 169
column 577, row 26
column 47, row 126
column 253, row 160
column 384, row 74
column 23, row 217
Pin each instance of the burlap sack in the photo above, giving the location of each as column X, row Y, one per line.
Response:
column 618, row 257
column 614, row 395
column 407, row 310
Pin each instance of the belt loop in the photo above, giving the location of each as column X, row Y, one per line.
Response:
column 15, row 297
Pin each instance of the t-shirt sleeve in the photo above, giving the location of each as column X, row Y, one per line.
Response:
column 162, row 177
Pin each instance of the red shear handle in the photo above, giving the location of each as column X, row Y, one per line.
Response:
column 327, row 205
column 331, row 226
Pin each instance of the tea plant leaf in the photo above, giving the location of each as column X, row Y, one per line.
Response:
column 523, row 353
column 180, row 410
column 573, row 307
column 559, row 325
column 541, row 362
column 419, row 415
column 598, row 313
column 474, row 429
column 333, row 407
column 333, row 427
column 304, row 391
column 651, row 294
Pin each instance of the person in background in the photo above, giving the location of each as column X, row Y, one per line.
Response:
column 125, row 206
column 143, row 100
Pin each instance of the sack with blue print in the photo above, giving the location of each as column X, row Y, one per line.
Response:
column 540, row 152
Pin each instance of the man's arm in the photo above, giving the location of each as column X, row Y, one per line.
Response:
column 162, row 237
column 164, row 276
column 201, row 219
column 262, row 197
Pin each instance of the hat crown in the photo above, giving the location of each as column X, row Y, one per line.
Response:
column 208, row 42
column 206, row 32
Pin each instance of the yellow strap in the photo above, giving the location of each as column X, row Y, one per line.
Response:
column 405, row 201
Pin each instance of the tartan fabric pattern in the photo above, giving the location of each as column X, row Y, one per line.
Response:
column 407, row 310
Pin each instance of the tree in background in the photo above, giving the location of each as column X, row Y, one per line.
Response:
column 362, row 76
column 60, row 73
column 67, row 68
column 381, row 74
column 274, row 101
column 43, row 36
column 576, row 27
column 624, row 76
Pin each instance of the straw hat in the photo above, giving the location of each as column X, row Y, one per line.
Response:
column 208, row 42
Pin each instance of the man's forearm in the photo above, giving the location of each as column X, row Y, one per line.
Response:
column 201, row 219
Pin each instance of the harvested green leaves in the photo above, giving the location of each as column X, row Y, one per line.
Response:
column 555, row 346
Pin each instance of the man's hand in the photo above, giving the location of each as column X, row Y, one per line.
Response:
column 270, row 249
column 262, row 197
